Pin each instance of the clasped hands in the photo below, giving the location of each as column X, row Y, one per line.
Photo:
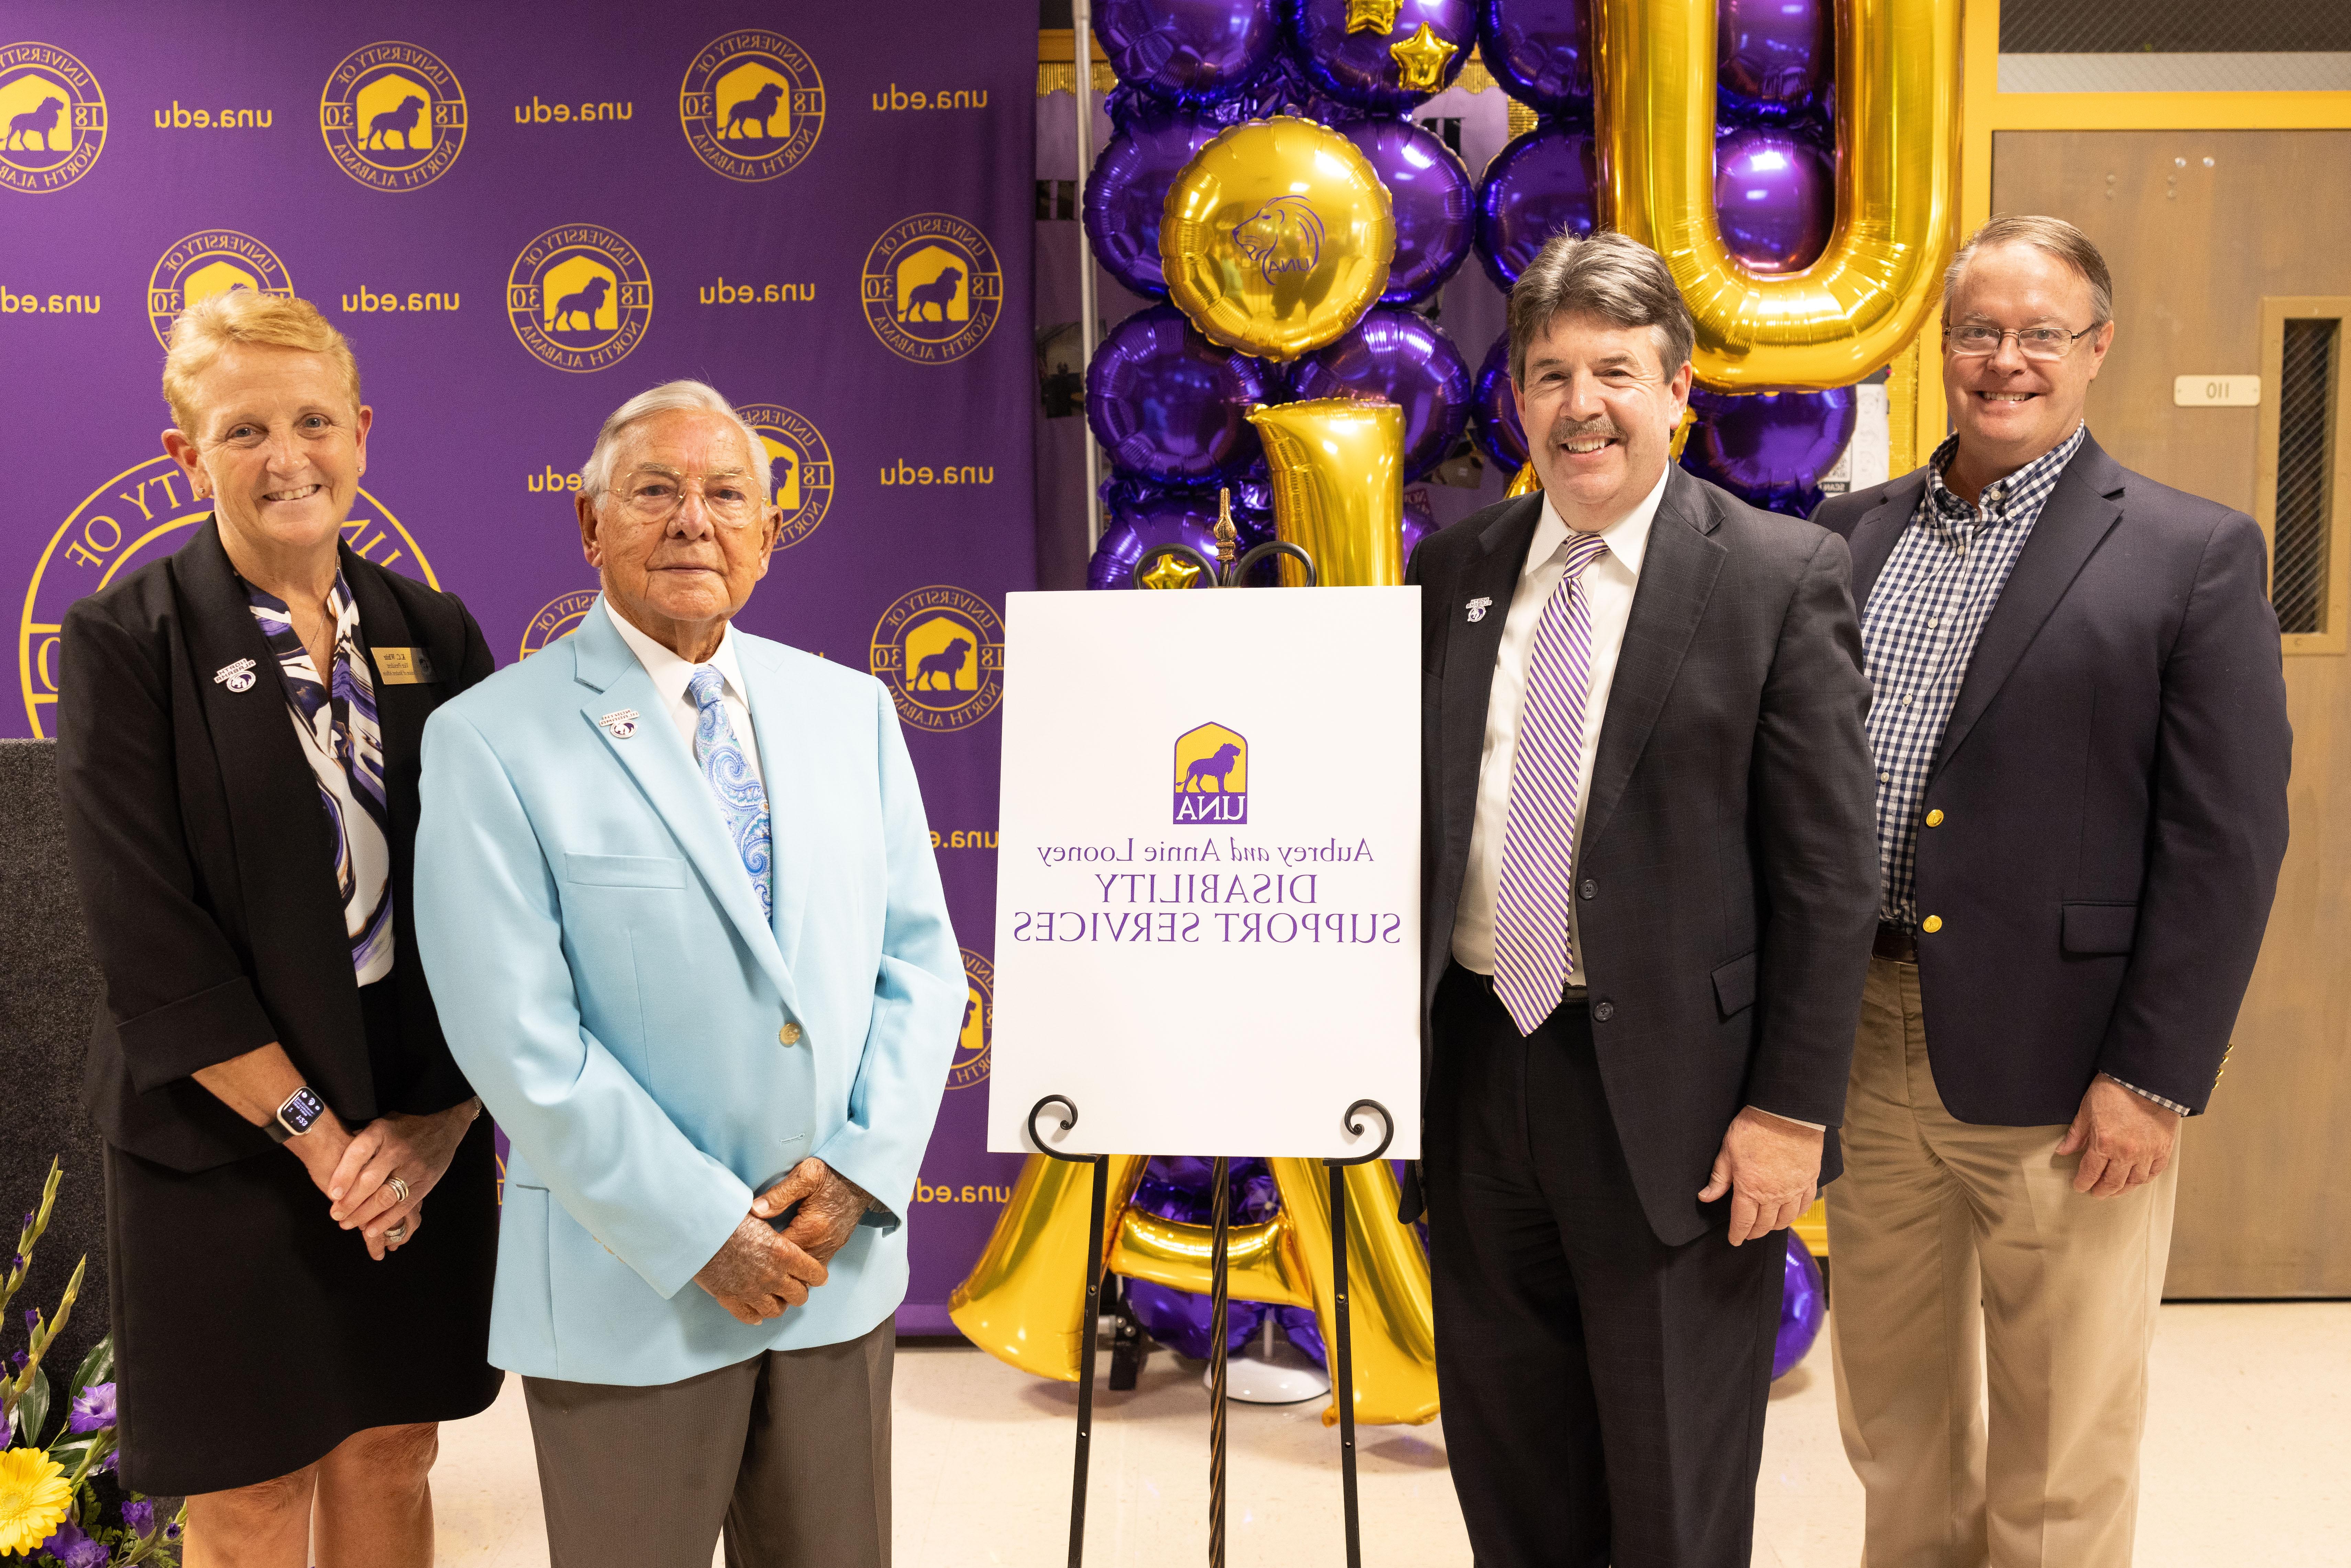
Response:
column 355, row 1170
column 761, row 1270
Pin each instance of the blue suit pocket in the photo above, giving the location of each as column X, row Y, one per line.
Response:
column 624, row 871
column 2096, row 929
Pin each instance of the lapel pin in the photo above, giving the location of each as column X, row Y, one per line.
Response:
column 236, row 678
column 1478, row 610
column 620, row 723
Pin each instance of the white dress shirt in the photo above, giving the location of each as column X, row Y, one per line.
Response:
column 670, row 674
column 1608, row 585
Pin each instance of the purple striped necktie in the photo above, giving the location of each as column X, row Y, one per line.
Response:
column 1531, row 917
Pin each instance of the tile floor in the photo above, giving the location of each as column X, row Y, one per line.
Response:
column 2248, row 1461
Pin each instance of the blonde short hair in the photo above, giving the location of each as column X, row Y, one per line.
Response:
column 214, row 324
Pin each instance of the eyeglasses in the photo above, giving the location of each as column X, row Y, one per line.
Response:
column 654, row 494
column 2032, row 342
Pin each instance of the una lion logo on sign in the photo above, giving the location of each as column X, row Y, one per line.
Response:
column 1211, row 775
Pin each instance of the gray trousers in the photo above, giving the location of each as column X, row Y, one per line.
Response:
column 788, row 1452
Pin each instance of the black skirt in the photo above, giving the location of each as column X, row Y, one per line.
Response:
column 252, row 1333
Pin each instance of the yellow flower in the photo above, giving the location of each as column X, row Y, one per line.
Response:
column 34, row 1499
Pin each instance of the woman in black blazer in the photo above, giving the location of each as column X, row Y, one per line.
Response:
column 237, row 738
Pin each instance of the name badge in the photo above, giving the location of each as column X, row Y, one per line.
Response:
column 403, row 666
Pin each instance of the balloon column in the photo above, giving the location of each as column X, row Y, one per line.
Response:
column 1264, row 178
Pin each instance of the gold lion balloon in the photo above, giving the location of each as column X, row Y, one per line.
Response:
column 1276, row 237
column 1338, row 486
column 1897, row 136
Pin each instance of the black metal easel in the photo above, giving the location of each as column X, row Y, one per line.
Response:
column 1343, row 1367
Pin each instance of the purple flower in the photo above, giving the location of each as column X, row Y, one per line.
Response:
column 32, row 1319
column 139, row 1515
column 72, row 1549
column 93, row 1409
column 20, row 1358
column 171, row 1530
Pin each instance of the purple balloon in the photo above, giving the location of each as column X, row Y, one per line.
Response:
column 1403, row 357
column 1188, row 51
column 1546, row 180
column 1127, row 191
column 1356, row 68
column 1168, row 405
column 1803, row 1307
column 1181, row 1321
column 1539, row 50
column 1770, row 55
column 1419, row 522
column 1777, row 198
column 1494, row 413
column 1770, row 448
column 1429, row 186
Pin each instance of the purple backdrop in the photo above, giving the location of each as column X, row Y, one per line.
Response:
column 772, row 201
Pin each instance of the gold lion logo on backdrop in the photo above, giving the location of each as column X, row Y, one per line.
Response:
column 394, row 116
column 970, row 1064
column 932, row 289
column 580, row 297
column 800, row 469
column 52, row 118
column 940, row 650
column 752, row 105
column 210, row 262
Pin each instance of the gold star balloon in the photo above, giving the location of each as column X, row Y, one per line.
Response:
column 1276, row 237
column 1420, row 59
column 1372, row 15
column 1168, row 571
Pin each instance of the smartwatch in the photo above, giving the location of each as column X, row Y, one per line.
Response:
column 296, row 1117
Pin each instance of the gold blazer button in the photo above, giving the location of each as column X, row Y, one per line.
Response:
column 1932, row 924
column 789, row 1034
column 1935, row 818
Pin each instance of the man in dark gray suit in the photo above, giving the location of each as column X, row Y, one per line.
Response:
column 2082, row 746
column 1648, row 894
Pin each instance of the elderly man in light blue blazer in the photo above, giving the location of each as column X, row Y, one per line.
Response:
column 676, row 897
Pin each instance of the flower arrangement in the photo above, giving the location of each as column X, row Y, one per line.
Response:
column 50, row 1509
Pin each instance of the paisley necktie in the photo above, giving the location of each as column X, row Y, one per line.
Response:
column 742, row 803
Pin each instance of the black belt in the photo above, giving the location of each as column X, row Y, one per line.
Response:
column 1898, row 943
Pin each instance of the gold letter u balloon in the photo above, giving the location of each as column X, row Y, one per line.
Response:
column 1898, row 135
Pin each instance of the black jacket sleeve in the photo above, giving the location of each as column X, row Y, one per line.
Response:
column 1814, row 792
column 177, row 990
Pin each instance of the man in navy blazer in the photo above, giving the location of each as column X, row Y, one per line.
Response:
column 2081, row 742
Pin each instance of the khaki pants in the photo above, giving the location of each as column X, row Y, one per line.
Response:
column 1963, row 1263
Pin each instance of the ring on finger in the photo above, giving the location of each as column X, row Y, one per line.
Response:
column 399, row 1191
column 395, row 1233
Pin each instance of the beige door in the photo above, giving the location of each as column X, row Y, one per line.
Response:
column 2211, row 235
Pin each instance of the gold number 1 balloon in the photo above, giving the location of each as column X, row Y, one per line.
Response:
column 1276, row 237
column 1338, row 486
column 1897, row 136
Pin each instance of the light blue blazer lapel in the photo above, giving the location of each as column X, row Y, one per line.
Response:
column 663, row 767
column 777, row 717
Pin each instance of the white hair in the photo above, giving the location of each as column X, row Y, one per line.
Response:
column 670, row 397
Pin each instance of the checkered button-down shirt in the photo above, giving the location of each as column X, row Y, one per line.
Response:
column 1918, row 631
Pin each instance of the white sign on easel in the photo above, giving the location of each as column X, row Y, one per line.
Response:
column 1208, row 909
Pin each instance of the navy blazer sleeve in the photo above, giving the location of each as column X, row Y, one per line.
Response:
column 2216, row 831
